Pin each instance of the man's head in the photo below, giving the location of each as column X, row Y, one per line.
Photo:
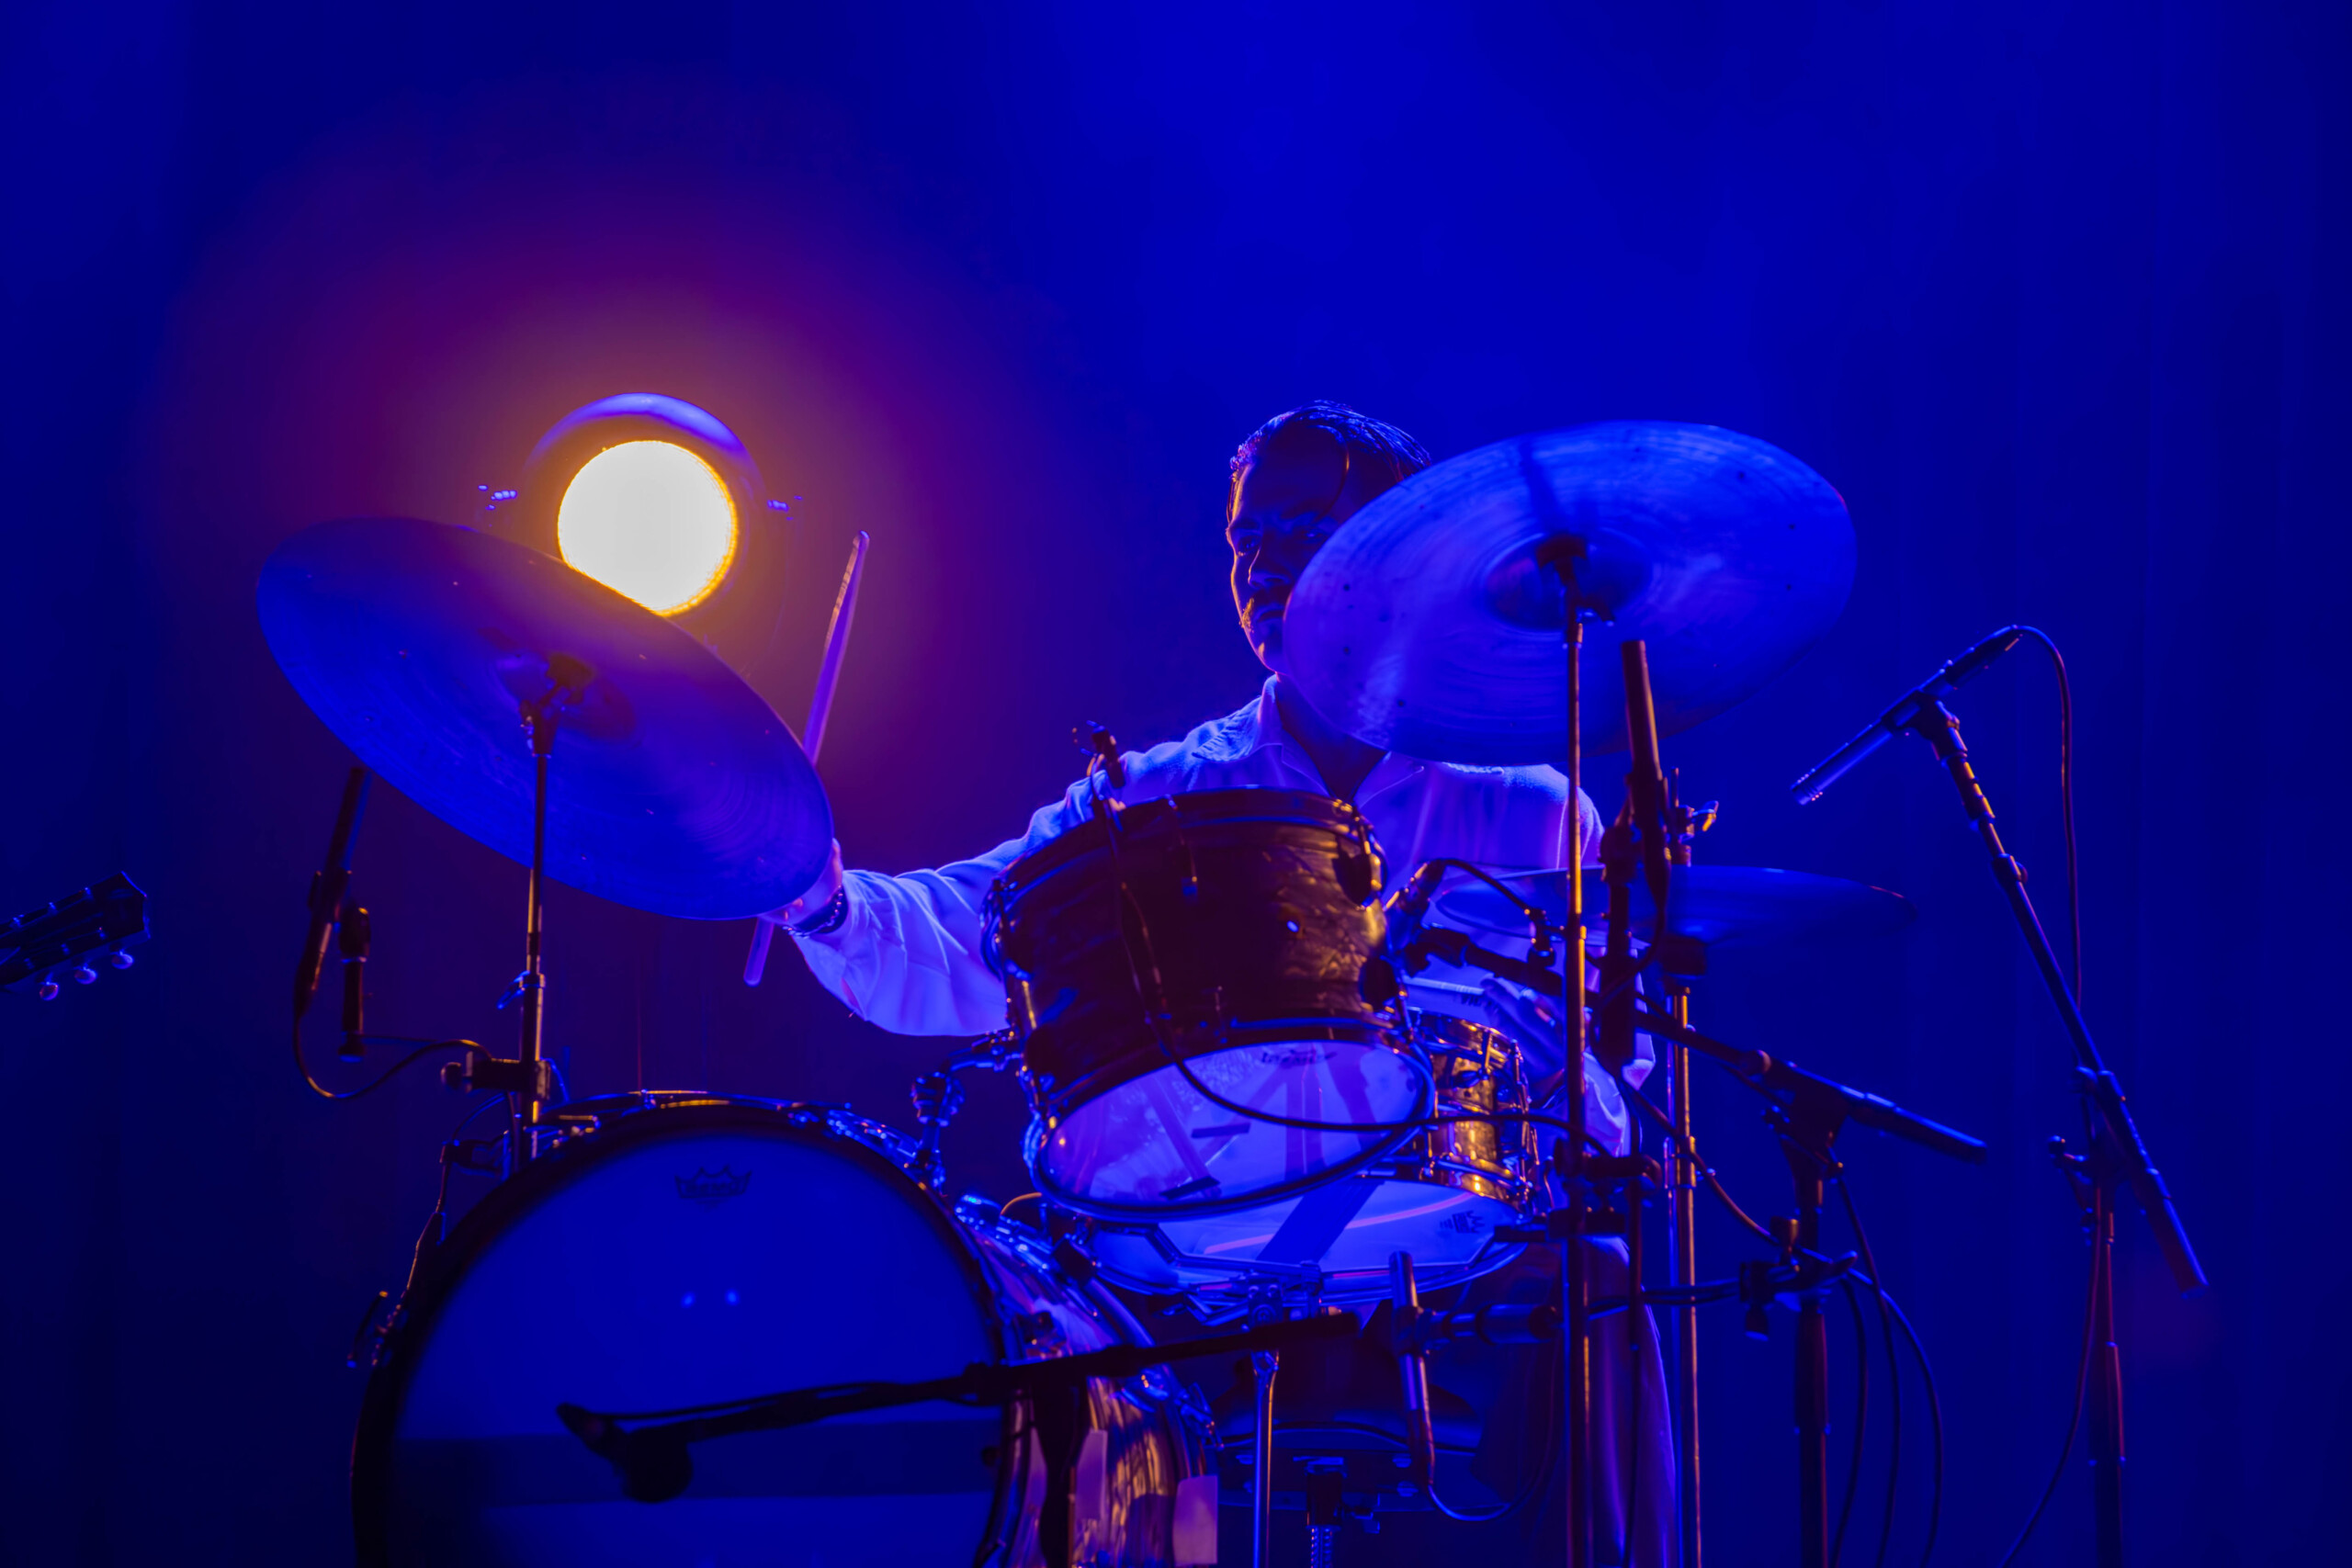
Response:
column 1295, row 481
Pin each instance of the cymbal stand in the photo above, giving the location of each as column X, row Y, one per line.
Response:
column 1681, row 961
column 526, row 1080
column 2117, row 1154
column 1566, row 1224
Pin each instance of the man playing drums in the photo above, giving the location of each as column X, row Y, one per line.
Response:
column 906, row 951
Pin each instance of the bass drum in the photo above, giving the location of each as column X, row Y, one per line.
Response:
column 676, row 1250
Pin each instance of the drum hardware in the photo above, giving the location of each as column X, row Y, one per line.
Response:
column 651, row 1458
column 1351, row 1469
column 2117, row 1154
column 938, row 1096
column 328, row 886
column 1264, row 1366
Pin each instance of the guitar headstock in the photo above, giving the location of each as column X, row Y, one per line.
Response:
column 58, row 938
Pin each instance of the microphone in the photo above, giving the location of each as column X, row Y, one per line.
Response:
column 1949, row 678
column 352, row 939
column 327, row 888
column 1409, row 905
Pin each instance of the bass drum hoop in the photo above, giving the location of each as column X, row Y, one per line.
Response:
column 517, row 1196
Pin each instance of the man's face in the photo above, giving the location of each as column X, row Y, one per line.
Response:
column 1286, row 504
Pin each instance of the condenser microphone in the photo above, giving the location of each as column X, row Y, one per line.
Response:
column 327, row 888
column 1949, row 678
column 1409, row 905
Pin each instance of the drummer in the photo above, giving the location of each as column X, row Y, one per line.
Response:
column 904, row 951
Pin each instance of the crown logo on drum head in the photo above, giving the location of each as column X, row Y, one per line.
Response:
column 706, row 1187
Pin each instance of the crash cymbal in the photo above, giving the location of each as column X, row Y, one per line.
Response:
column 1723, row 906
column 1429, row 624
column 672, row 786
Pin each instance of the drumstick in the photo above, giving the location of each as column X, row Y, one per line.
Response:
column 821, row 709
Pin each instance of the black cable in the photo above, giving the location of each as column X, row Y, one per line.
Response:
column 423, row 1048
column 1536, row 1478
column 1714, row 1183
column 1894, row 1377
column 2066, row 797
column 2074, row 1422
column 1936, row 1423
column 1862, row 1418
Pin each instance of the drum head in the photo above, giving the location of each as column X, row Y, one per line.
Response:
column 1157, row 1145
column 685, row 1257
column 1343, row 1234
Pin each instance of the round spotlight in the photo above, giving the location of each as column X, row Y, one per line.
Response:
column 656, row 499
column 651, row 520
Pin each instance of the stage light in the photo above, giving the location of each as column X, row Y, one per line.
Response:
column 651, row 519
column 658, row 500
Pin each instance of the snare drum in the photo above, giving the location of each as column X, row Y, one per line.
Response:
column 1228, row 940
column 1441, row 1197
column 688, row 1249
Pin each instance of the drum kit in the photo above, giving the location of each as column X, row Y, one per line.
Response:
column 695, row 1329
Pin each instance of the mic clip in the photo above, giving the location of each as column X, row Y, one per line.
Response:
column 479, row 1070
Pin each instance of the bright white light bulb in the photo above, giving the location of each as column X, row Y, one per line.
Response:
column 651, row 519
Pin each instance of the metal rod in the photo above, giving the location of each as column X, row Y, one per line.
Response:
column 522, row 1109
column 1576, row 1357
column 1264, row 1364
column 1811, row 1376
column 1682, row 1214
column 2107, row 1384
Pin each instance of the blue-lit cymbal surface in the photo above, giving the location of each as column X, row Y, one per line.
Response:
column 1723, row 906
column 1430, row 627
column 672, row 786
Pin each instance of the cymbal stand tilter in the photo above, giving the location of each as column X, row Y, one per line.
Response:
column 2116, row 1156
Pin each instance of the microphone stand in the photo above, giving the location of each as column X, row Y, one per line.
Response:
column 1681, row 961
column 2116, row 1156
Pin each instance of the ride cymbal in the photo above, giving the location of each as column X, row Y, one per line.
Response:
column 1431, row 624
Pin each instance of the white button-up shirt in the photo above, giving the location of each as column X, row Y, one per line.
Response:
column 908, row 957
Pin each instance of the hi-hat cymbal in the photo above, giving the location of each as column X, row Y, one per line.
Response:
column 1431, row 625
column 1723, row 906
column 672, row 786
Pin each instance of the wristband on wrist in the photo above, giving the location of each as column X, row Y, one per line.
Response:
column 831, row 917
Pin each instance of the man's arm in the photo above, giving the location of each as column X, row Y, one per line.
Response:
column 906, row 954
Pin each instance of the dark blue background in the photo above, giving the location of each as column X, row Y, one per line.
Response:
column 2053, row 293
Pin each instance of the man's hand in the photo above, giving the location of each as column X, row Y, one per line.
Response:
column 819, row 895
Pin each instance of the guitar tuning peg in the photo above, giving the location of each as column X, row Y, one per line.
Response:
column 48, row 991
column 83, row 973
column 120, row 959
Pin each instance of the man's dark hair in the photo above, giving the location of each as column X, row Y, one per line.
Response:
column 1356, row 432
